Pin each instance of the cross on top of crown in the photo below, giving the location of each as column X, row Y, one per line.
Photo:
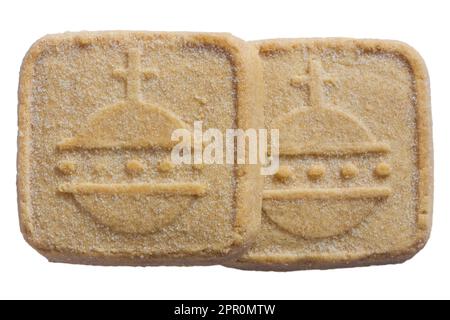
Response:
column 314, row 80
column 133, row 75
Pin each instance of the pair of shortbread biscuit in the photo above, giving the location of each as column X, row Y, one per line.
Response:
column 97, row 185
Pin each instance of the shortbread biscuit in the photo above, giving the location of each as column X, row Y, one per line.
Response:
column 355, row 180
column 96, row 114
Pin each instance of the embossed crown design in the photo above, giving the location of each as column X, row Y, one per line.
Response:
column 325, row 132
column 311, row 130
column 131, row 124
column 146, row 125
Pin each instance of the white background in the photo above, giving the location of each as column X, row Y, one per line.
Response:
column 424, row 25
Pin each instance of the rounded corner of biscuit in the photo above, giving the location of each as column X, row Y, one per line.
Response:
column 37, row 47
column 38, row 245
column 421, row 240
column 411, row 56
column 414, row 247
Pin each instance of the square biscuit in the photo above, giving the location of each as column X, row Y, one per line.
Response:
column 96, row 114
column 354, row 185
